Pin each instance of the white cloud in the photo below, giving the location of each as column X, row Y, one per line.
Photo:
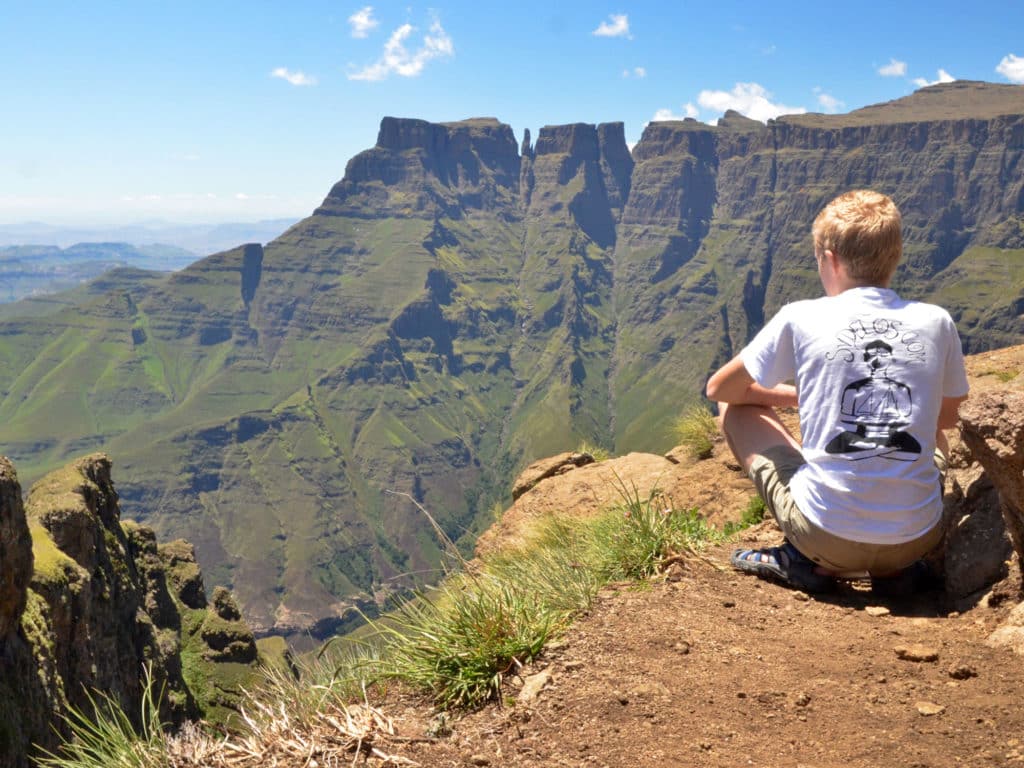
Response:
column 828, row 102
column 295, row 78
column 944, row 77
column 241, row 196
column 894, row 68
column 362, row 22
column 1012, row 68
column 399, row 60
column 667, row 114
column 749, row 99
column 638, row 72
column 617, row 26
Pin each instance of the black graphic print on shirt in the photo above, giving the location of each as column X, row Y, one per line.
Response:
column 875, row 410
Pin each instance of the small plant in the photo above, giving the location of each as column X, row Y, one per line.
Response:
column 461, row 641
column 752, row 515
column 697, row 430
column 596, row 451
column 106, row 737
column 643, row 532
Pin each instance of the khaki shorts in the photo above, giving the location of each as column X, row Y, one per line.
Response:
column 771, row 473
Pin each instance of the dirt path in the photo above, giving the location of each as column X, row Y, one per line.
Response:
column 715, row 668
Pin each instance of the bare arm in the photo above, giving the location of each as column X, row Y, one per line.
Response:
column 949, row 412
column 733, row 384
column 948, row 417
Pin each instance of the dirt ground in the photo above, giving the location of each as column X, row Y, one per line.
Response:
column 705, row 666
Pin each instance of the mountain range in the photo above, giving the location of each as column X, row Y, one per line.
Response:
column 460, row 305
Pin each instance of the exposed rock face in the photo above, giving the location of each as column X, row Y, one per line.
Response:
column 93, row 608
column 993, row 428
column 460, row 306
column 15, row 550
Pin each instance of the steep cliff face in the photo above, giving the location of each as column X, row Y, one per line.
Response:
column 92, row 604
column 459, row 305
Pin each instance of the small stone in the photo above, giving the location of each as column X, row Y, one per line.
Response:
column 802, row 700
column 622, row 698
column 728, row 603
column 681, row 647
column 962, row 671
column 928, row 708
column 802, row 597
column 573, row 665
column 532, row 687
column 916, row 652
column 876, row 610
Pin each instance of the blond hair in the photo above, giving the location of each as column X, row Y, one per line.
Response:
column 862, row 228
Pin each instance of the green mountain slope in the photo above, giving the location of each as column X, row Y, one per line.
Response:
column 458, row 306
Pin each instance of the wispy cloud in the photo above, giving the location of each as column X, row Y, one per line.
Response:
column 1012, row 68
column 944, row 77
column 295, row 78
column 748, row 99
column 667, row 114
column 828, row 102
column 638, row 72
column 399, row 60
column 616, row 26
column 895, row 68
column 362, row 22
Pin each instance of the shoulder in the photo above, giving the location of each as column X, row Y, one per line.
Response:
column 796, row 310
column 931, row 312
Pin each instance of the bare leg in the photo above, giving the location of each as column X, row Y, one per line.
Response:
column 750, row 429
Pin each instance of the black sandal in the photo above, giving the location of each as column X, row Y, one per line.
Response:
column 784, row 564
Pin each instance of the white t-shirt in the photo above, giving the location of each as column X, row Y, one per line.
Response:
column 871, row 370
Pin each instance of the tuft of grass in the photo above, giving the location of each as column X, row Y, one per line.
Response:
column 106, row 737
column 642, row 532
column 697, row 430
column 463, row 639
column 752, row 515
column 599, row 453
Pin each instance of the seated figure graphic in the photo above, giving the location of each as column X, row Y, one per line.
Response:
column 875, row 410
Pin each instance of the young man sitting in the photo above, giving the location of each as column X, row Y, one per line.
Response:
column 876, row 380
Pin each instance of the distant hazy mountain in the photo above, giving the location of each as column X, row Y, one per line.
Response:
column 36, row 270
column 460, row 305
column 200, row 239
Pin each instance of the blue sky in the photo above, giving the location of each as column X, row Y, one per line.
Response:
column 117, row 112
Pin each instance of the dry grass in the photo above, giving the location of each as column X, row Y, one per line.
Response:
column 338, row 735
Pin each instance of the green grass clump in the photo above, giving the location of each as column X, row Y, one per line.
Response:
column 697, row 430
column 463, row 639
column 636, row 538
column 106, row 738
column 599, row 453
column 752, row 515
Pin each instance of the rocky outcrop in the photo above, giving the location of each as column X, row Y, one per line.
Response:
column 574, row 485
column 15, row 550
column 993, row 429
column 89, row 603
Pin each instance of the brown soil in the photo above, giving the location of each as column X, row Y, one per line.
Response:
column 709, row 667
